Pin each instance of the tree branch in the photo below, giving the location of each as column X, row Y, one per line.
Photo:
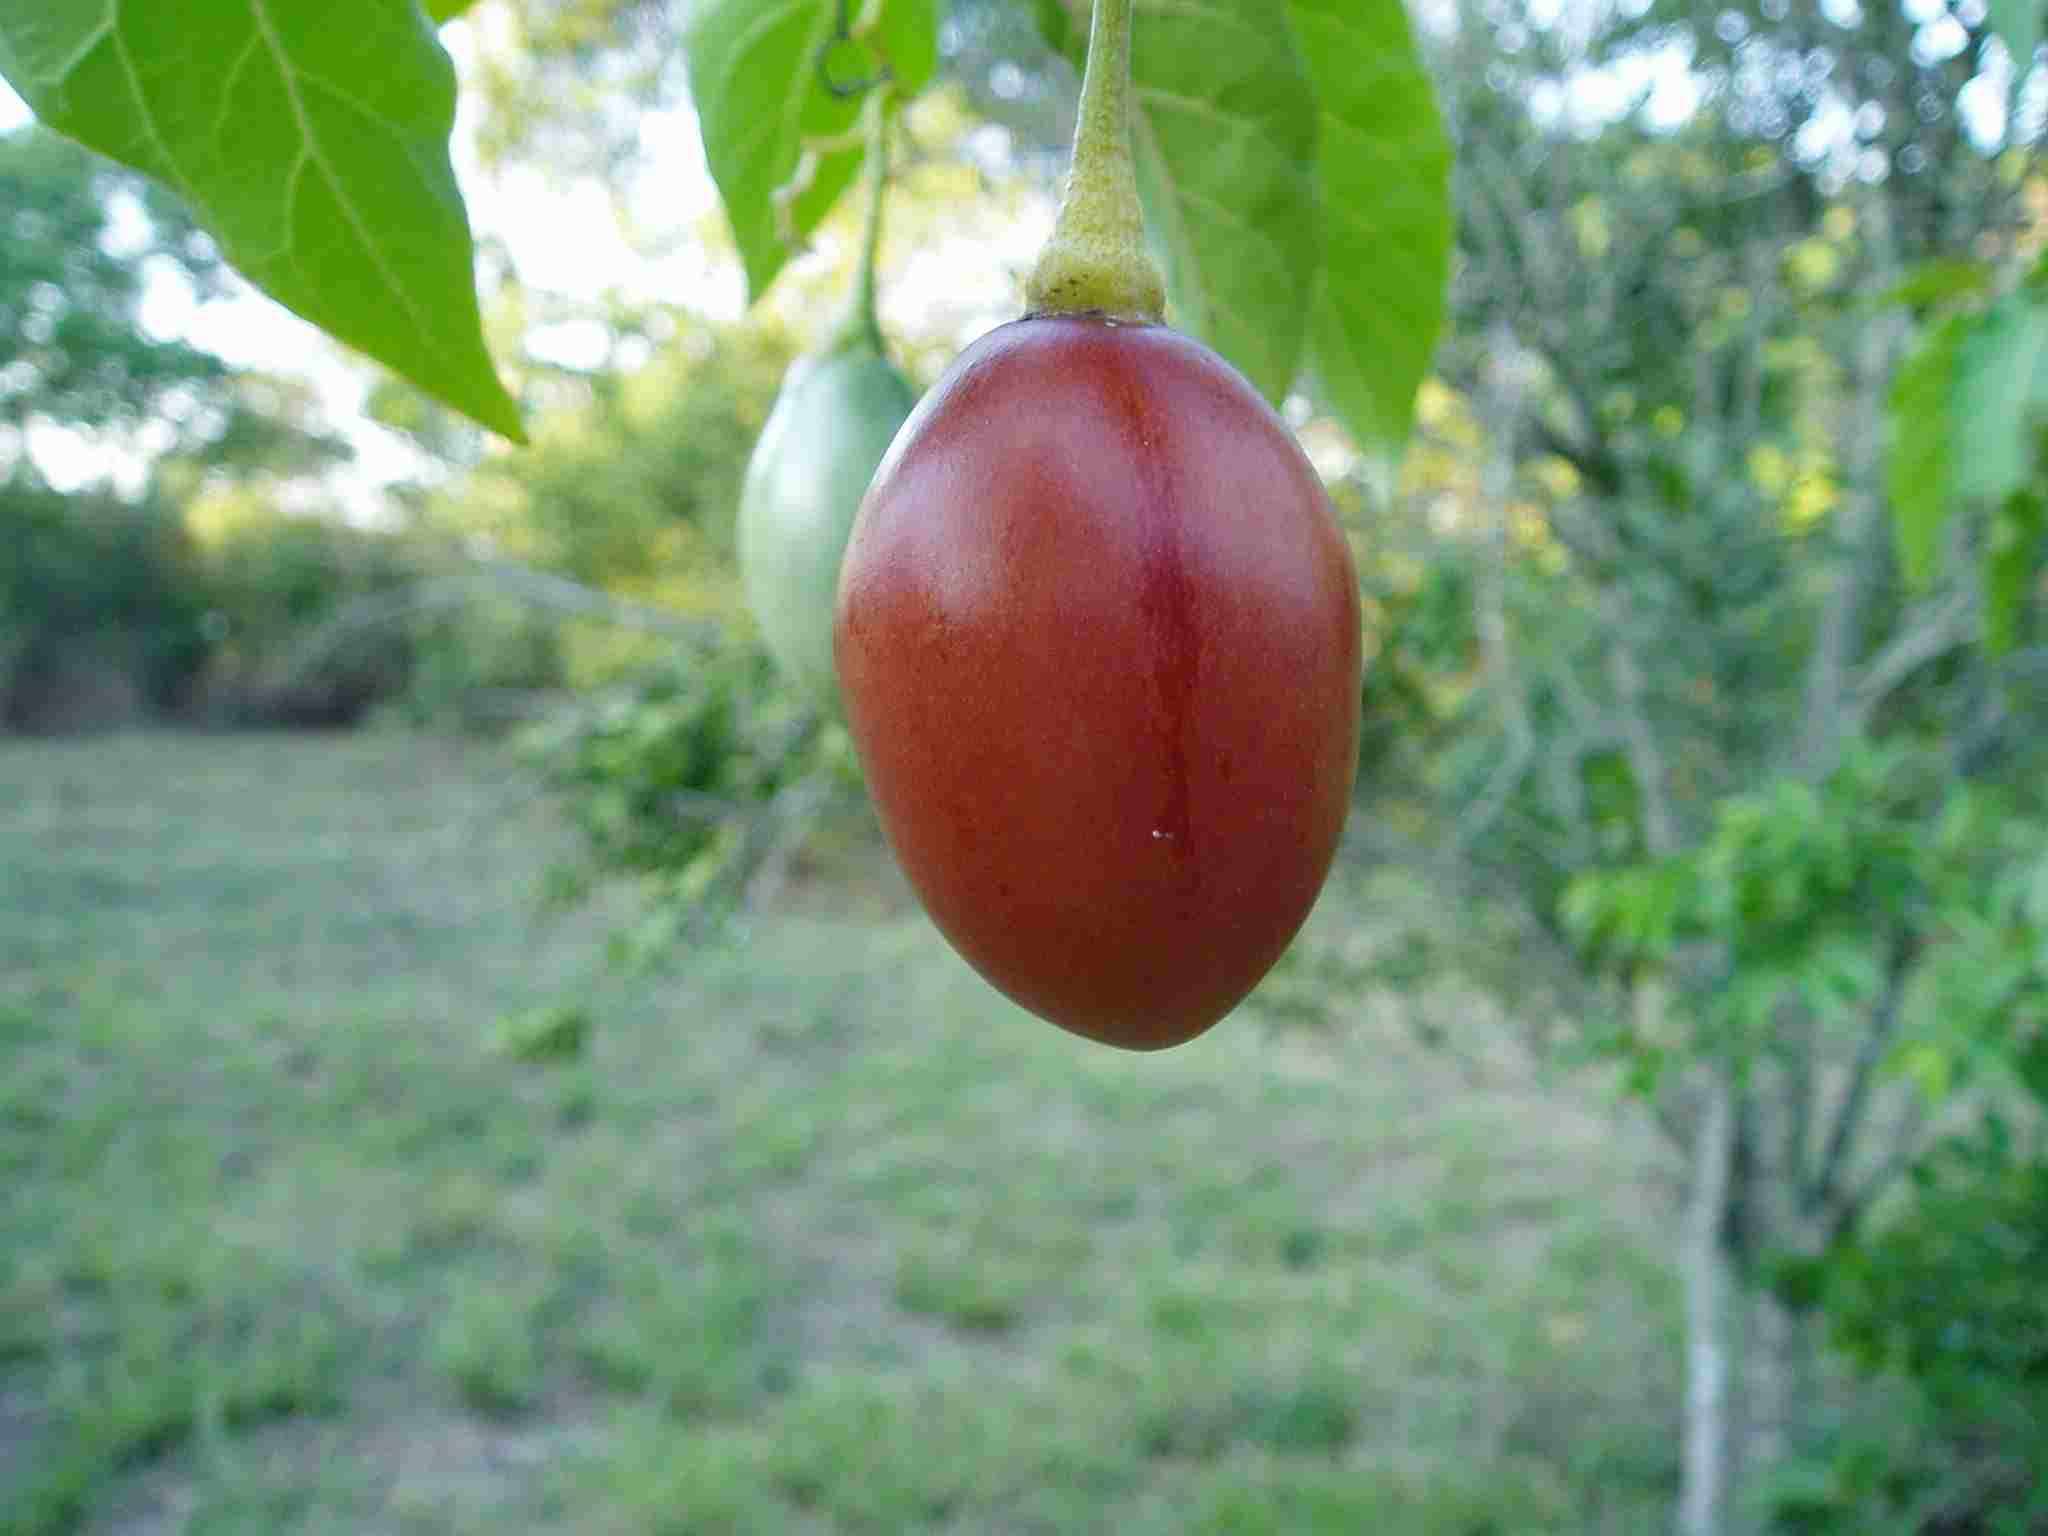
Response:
column 1646, row 757
column 1706, row 1311
column 1596, row 466
column 1938, row 630
column 1534, row 278
column 1502, row 396
column 1800, row 1049
column 1904, row 949
column 1868, row 533
column 1898, row 1156
column 482, row 581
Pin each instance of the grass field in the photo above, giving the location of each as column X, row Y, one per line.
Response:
column 341, row 1193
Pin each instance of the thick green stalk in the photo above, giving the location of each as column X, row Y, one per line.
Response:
column 861, row 326
column 1096, row 261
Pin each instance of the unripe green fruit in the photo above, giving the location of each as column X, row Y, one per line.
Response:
column 834, row 419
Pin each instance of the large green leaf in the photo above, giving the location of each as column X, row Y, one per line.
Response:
column 1296, row 183
column 314, row 147
column 1226, row 143
column 1966, row 410
column 1385, row 165
column 2001, row 395
column 447, row 10
column 762, row 100
column 1918, row 473
column 2001, row 389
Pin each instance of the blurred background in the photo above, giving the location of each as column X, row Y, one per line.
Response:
column 468, row 1062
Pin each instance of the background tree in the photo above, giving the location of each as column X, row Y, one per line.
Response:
column 1676, row 335
column 102, row 605
column 72, row 288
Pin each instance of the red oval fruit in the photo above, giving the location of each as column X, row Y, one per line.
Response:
column 1098, row 639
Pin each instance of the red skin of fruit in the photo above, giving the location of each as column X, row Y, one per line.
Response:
column 1098, row 638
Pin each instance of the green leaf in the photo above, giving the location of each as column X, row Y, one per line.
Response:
column 2018, row 24
column 1584, row 908
column 446, row 10
column 2001, row 385
column 1926, row 1065
column 2034, row 901
column 316, row 152
column 1226, row 148
column 762, row 103
column 1919, row 473
column 1385, row 170
column 1056, row 26
column 2010, row 562
column 1271, row 248
column 1939, row 281
column 1840, row 971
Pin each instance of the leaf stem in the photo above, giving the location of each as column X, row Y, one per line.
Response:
column 1096, row 261
column 861, row 326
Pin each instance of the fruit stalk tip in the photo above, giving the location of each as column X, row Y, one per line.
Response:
column 1096, row 261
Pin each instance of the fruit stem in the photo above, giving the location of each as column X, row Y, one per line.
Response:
column 1096, row 261
column 861, row 324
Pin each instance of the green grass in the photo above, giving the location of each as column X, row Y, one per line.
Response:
column 344, row 1194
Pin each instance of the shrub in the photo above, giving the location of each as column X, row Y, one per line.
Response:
column 1947, row 1300
column 101, row 618
column 272, row 585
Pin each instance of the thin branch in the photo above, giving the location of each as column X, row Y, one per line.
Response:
column 1563, row 765
column 1800, row 1047
column 1743, row 1224
column 1867, row 536
column 797, row 811
column 1594, row 464
column 1938, row 630
column 544, row 589
column 695, row 805
column 765, row 829
column 1758, row 278
column 483, row 581
column 1646, row 757
column 1590, row 542
column 1505, row 383
column 1904, row 1145
column 1513, row 233
column 1904, row 949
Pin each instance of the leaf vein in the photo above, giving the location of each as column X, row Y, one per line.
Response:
column 1212, row 13
column 1225, row 214
column 151, row 132
column 749, row 39
column 429, row 341
column 64, row 68
column 1194, row 106
column 221, row 126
